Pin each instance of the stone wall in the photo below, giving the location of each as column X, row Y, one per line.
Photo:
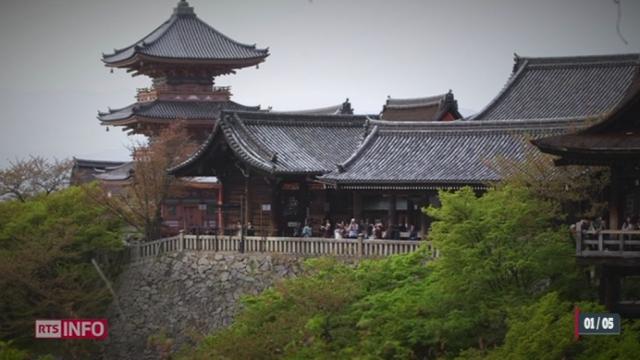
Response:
column 167, row 301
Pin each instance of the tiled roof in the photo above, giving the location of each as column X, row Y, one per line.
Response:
column 185, row 36
column 340, row 109
column 95, row 164
column 163, row 109
column 440, row 153
column 616, row 136
column 562, row 87
column 414, row 102
column 432, row 108
column 119, row 173
column 286, row 143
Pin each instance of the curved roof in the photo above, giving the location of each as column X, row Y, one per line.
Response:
column 431, row 108
column 185, row 37
column 171, row 110
column 615, row 138
column 440, row 153
column 562, row 87
column 118, row 173
column 285, row 143
column 96, row 164
column 340, row 109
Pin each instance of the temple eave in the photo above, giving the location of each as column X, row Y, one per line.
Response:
column 228, row 63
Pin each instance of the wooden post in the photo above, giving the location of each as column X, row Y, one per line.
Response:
column 357, row 206
column 600, row 242
column 181, row 240
column 360, row 245
column 220, row 204
column 615, row 198
column 136, row 250
column 392, row 216
column 243, row 219
column 610, row 287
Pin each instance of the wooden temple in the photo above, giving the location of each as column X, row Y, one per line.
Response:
column 282, row 170
column 614, row 142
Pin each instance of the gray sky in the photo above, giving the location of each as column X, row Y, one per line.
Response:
column 52, row 81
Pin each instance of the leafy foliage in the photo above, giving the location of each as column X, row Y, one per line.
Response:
column 500, row 255
column 139, row 205
column 579, row 191
column 46, row 247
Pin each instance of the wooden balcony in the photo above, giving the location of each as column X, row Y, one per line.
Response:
column 609, row 246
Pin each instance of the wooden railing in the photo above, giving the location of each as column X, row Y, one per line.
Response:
column 608, row 243
column 277, row 245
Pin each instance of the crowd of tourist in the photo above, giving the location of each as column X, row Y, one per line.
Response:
column 598, row 224
column 367, row 229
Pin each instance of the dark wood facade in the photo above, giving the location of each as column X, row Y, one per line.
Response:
column 614, row 141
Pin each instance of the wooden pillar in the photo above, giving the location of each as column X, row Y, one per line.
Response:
column 220, row 205
column 276, row 210
column 615, row 198
column 357, row 206
column 392, row 211
column 609, row 287
column 247, row 201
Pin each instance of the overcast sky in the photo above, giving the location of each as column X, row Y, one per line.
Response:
column 52, row 82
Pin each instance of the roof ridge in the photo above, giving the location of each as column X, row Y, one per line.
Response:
column 245, row 142
column 295, row 118
column 459, row 125
column 515, row 75
column 582, row 59
column 228, row 38
column 363, row 146
column 312, row 110
column 166, row 23
column 432, row 97
column 201, row 149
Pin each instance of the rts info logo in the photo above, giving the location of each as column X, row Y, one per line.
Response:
column 95, row 329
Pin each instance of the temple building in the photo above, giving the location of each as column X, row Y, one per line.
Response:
column 279, row 170
column 183, row 56
column 84, row 170
column 614, row 141
column 283, row 170
column 433, row 108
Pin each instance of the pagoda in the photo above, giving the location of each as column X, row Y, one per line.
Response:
column 182, row 56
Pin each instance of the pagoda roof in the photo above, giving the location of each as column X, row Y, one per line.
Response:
column 279, row 143
column 419, row 155
column 616, row 137
column 339, row 109
column 431, row 108
column 185, row 37
column 170, row 110
column 563, row 87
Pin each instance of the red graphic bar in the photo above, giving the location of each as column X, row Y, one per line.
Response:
column 576, row 323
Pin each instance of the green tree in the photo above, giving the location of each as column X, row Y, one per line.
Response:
column 499, row 252
column 46, row 247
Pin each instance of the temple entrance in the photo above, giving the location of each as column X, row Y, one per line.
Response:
column 294, row 205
